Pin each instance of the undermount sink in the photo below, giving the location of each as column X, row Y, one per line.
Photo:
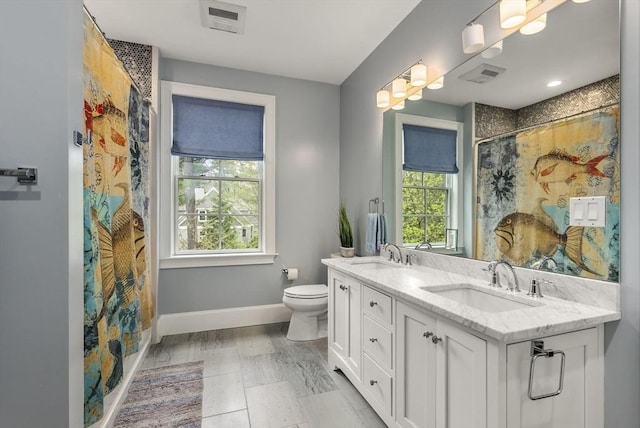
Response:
column 481, row 300
column 375, row 265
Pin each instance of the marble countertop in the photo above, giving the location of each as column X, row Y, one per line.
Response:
column 546, row 316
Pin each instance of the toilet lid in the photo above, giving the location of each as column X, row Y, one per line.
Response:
column 307, row 291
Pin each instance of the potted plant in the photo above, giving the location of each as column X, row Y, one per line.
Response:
column 344, row 232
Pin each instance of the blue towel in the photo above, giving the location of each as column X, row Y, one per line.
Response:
column 381, row 236
column 372, row 230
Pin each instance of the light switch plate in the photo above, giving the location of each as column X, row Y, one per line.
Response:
column 588, row 211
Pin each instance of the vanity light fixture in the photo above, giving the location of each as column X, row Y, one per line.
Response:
column 418, row 75
column 399, row 88
column 534, row 26
column 472, row 38
column 407, row 85
column 382, row 98
column 436, row 84
column 512, row 13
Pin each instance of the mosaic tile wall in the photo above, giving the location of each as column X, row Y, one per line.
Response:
column 137, row 60
column 492, row 121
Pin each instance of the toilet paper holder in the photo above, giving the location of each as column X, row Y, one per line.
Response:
column 290, row 273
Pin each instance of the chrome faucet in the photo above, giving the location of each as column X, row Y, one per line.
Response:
column 495, row 279
column 426, row 245
column 391, row 258
column 545, row 260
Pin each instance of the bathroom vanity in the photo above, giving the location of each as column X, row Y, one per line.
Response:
column 432, row 348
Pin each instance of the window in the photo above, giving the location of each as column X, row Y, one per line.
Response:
column 217, row 201
column 427, row 202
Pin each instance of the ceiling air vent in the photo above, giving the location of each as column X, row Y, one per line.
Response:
column 482, row 73
column 222, row 16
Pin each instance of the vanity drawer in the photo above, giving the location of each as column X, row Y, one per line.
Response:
column 377, row 342
column 377, row 384
column 377, row 305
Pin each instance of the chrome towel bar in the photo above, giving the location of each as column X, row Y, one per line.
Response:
column 537, row 351
column 24, row 175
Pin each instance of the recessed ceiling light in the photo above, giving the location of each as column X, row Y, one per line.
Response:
column 554, row 83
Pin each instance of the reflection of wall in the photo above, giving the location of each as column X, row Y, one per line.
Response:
column 491, row 121
column 136, row 58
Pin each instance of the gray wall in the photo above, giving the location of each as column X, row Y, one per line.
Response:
column 432, row 34
column 41, row 240
column 307, row 183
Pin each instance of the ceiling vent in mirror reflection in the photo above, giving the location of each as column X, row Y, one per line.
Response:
column 222, row 16
column 483, row 73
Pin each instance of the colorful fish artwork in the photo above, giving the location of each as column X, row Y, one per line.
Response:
column 559, row 166
column 523, row 237
column 525, row 181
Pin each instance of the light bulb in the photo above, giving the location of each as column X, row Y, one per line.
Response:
column 436, row 84
column 398, row 106
column 472, row 38
column 534, row 26
column 415, row 96
column 399, row 88
column 382, row 98
column 512, row 13
column 419, row 75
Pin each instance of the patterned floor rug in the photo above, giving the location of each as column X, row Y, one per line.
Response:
column 168, row 396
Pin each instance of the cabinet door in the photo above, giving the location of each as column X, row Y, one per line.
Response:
column 580, row 402
column 461, row 385
column 415, row 368
column 338, row 314
column 345, row 313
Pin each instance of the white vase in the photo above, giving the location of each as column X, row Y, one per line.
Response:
column 346, row 251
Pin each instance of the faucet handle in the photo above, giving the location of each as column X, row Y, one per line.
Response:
column 534, row 288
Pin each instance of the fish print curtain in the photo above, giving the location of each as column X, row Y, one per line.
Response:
column 117, row 294
column 525, row 182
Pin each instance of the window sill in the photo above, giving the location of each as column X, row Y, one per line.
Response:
column 191, row 261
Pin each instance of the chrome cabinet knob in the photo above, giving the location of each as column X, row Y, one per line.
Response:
column 428, row 334
column 373, row 382
column 342, row 287
column 373, row 339
column 436, row 339
column 372, row 303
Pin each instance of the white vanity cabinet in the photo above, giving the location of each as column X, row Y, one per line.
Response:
column 344, row 325
column 441, row 373
column 419, row 369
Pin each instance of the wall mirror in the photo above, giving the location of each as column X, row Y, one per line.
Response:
column 579, row 47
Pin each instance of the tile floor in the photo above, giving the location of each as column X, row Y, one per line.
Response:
column 255, row 377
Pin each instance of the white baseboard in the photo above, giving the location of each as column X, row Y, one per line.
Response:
column 191, row 322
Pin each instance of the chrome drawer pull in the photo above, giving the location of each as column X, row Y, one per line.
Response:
column 372, row 303
column 373, row 339
column 373, row 382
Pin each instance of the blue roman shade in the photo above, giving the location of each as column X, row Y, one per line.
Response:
column 204, row 128
column 429, row 149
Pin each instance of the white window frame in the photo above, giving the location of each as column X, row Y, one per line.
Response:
column 167, row 171
column 456, row 198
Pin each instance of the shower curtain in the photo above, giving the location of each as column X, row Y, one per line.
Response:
column 117, row 293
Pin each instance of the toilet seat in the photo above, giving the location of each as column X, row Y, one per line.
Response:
column 311, row 291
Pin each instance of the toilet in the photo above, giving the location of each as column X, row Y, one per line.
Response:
column 308, row 304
